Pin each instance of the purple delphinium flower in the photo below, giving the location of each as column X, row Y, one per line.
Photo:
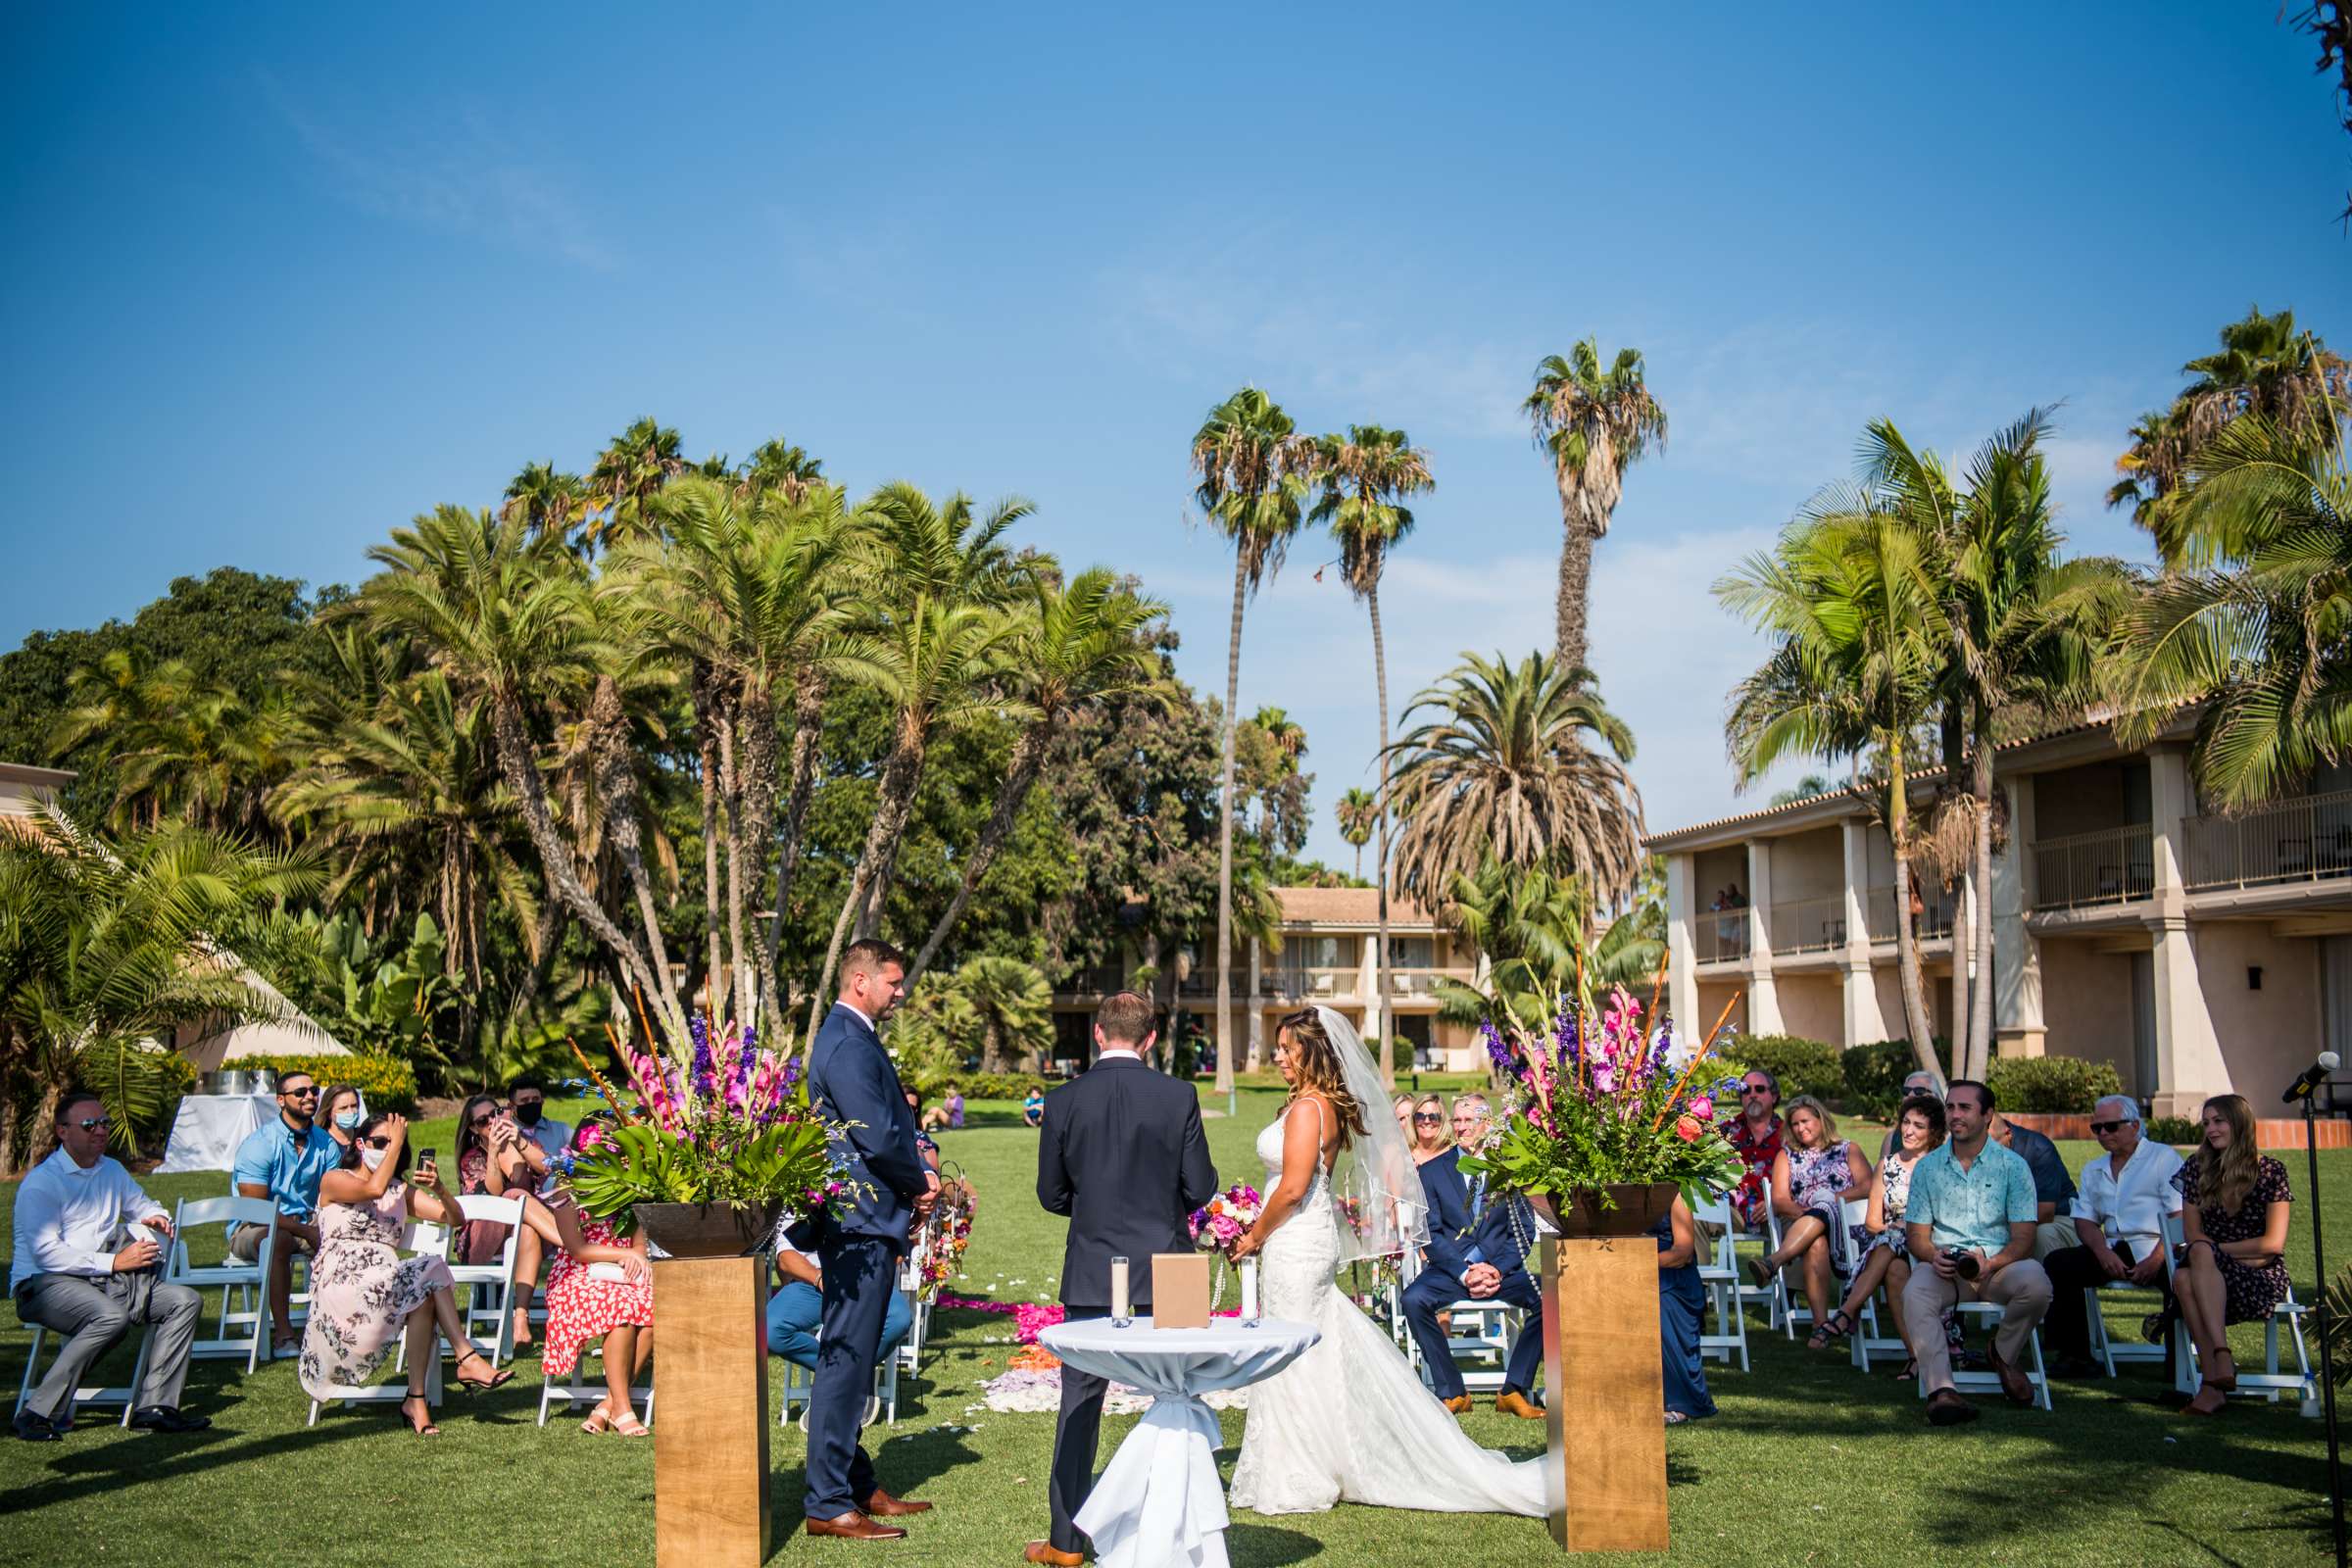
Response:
column 1498, row 1050
column 1568, row 1041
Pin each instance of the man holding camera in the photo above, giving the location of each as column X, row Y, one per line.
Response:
column 1971, row 1222
column 87, row 1265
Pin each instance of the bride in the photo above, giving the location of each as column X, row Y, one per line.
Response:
column 1349, row 1420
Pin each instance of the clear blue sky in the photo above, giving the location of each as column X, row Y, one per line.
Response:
column 278, row 279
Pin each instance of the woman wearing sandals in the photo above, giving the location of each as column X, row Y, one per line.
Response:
column 601, row 1288
column 1814, row 1174
column 363, row 1293
column 1878, row 1240
column 2234, row 1211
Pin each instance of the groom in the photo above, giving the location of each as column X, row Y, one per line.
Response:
column 851, row 1080
column 1121, row 1152
column 1474, row 1254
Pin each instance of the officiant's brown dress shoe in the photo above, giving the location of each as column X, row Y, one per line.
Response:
column 854, row 1526
column 882, row 1506
column 1520, row 1406
column 1459, row 1404
column 1045, row 1552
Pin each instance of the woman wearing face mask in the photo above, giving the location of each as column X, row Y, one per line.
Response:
column 493, row 1159
column 363, row 1292
column 340, row 1114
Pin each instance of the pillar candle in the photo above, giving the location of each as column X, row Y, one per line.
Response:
column 1120, row 1305
column 1249, row 1290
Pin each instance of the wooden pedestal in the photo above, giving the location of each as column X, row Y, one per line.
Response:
column 711, row 1417
column 1605, row 1396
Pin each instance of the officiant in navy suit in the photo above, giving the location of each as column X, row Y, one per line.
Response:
column 1474, row 1254
column 851, row 1080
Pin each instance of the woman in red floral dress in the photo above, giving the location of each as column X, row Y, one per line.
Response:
column 601, row 1288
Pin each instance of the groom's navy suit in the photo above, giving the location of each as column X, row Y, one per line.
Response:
column 851, row 1080
column 1121, row 1152
column 1465, row 1230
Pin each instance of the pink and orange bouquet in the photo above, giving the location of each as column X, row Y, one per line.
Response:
column 1221, row 1222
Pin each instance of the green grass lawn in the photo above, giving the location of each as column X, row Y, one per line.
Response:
column 1809, row 1462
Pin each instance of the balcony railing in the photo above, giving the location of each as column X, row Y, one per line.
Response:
column 1421, row 980
column 1807, row 925
column 2301, row 840
column 2082, row 870
column 1097, row 980
column 1312, row 982
column 1933, row 923
column 1721, row 934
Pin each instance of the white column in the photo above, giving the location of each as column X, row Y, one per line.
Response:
column 2188, row 1054
column 1763, row 1003
column 1367, row 986
column 1256, row 1007
column 2016, row 952
column 1682, row 949
column 1864, row 1020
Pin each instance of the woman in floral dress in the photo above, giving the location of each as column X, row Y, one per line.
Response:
column 1816, row 1172
column 601, row 1288
column 2235, row 1204
column 1878, row 1240
column 363, row 1293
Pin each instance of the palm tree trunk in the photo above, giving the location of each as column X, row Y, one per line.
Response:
column 706, row 725
column 756, row 760
column 731, row 762
column 1906, row 938
column 1380, row 966
column 1981, row 785
column 1961, row 1065
column 1233, row 692
column 900, row 776
column 1576, row 573
column 616, row 786
column 1021, row 772
column 808, row 736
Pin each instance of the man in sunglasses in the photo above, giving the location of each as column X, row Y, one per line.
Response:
column 283, row 1159
column 1756, row 1134
column 87, row 1265
column 2118, row 1223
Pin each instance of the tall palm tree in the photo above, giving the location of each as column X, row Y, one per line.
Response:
column 547, row 501
column 2265, row 367
column 1075, row 647
column 179, row 746
column 784, row 469
column 628, row 474
column 1252, row 468
column 1357, row 812
column 1538, row 932
column 1364, row 474
column 1503, row 770
column 1851, row 603
column 2266, row 636
column 1592, row 424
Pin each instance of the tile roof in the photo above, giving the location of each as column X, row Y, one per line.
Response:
column 1347, row 907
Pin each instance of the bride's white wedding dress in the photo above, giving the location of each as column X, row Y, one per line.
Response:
column 1349, row 1420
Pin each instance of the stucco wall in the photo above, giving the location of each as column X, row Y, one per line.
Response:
column 2080, row 799
column 2267, row 1036
column 1812, row 1006
column 2086, row 1006
column 1808, row 865
column 1713, row 995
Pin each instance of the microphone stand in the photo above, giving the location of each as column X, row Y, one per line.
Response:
column 2319, row 1256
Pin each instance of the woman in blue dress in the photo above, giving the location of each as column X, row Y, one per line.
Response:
column 1681, row 1314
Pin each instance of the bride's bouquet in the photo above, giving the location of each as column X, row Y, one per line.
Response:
column 1219, row 1224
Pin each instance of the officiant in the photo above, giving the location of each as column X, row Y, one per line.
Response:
column 1477, row 1252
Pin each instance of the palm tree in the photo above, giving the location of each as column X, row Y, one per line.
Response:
column 1502, row 772
column 1363, row 474
column 1851, row 603
column 1357, row 812
column 547, row 501
column 1012, row 1006
column 179, row 747
column 786, row 469
column 628, row 474
column 1288, row 735
column 1593, row 424
column 2265, row 368
column 1537, row 934
column 2265, row 638
column 1076, row 647
column 1252, row 463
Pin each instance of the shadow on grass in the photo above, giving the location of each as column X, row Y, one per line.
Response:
column 75, row 1476
column 1267, row 1546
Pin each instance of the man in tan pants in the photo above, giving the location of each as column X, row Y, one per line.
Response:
column 1969, row 1226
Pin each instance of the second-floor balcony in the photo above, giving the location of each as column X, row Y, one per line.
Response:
column 2304, row 839
column 1720, row 934
column 2083, row 870
column 1807, row 925
column 1310, row 981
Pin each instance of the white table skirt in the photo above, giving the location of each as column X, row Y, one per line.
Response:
column 1161, row 1502
column 205, row 1133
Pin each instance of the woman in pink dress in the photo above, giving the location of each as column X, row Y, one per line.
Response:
column 601, row 1288
column 363, row 1293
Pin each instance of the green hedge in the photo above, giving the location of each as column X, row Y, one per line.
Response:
column 1802, row 1066
column 1875, row 1074
column 386, row 1082
column 2176, row 1130
column 988, row 1085
column 2062, row 1085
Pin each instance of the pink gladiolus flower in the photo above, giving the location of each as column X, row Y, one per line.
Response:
column 1688, row 1128
column 1703, row 1107
column 1604, row 1078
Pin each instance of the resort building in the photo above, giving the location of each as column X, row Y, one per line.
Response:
column 1328, row 955
column 25, row 791
column 2197, row 951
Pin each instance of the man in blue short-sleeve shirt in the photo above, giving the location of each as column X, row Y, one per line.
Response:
column 283, row 1159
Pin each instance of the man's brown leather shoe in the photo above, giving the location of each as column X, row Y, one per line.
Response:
column 882, row 1506
column 1459, row 1404
column 854, row 1526
column 2015, row 1384
column 1045, row 1552
column 1520, row 1406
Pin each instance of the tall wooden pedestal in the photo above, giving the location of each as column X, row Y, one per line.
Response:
column 711, row 1422
column 1605, row 1396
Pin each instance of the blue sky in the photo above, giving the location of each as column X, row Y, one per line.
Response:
column 276, row 280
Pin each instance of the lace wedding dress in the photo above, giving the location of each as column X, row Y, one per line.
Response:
column 1349, row 1420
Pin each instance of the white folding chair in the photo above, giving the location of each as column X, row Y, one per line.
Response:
column 2270, row 1382
column 1785, row 1313
column 2104, row 1347
column 126, row 1395
column 1988, row 1382
column 247, row 1285
column 1868, row 1338
column 1719, row 1272
column 419, row 1239
column 911, row 1281
column 1744, row 1292
column 800, row 1382
column 571, row 1394
column 490, row 1294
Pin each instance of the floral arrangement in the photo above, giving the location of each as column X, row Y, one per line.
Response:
column 1220, row 1223
column 1593, row 1103
column 950, row 1234
column 723, row 1120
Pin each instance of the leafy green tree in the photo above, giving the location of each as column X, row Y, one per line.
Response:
column 629, row 473
column 1012, row 1007
column 1593, row 424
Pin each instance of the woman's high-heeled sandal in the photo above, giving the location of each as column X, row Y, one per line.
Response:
column 495, row 1380
column 629, row 1426
column 429, row 1429
column 599, row 1420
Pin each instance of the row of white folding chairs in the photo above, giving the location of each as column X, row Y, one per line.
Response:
column 1483, row 1333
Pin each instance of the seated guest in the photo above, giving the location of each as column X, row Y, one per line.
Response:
column 794, row 1310
column 941, row 1116
column 1970, row 1222
column 1032, row 1109
column 601, row 1288
column 363, row 1293
column 2053, row 1188
column 1879, row 1239
column 1756, row 1134
column 1815, row 1174
column 1682, row 1311
column 340, row 1112
column 955, row 1109
column 1916, row 1084
column 2119, row 1225
column 2234, row 1212
column 283, row 1159
column 1474, row 1252
column 1403, row 1111
column 494, row 1159
column 86, row 1264
column 1427, row 1137
column 544, row 1137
